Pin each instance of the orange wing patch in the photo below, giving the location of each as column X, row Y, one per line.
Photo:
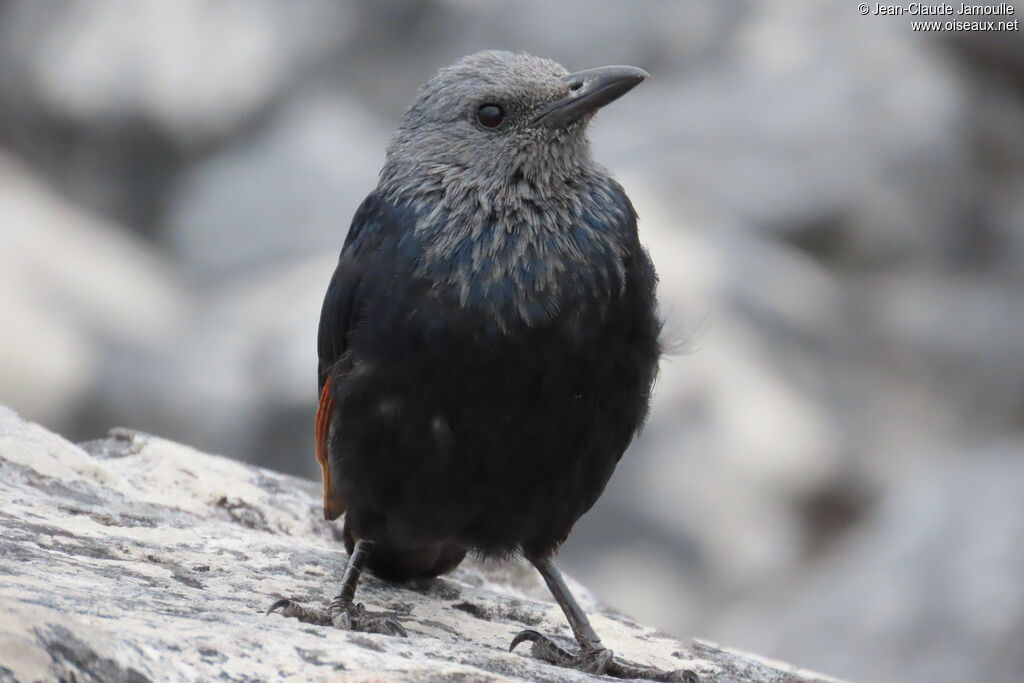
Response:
column 334, row 506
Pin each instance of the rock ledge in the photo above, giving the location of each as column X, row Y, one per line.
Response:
column 134, row 558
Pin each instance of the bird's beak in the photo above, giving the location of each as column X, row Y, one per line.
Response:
column 589, row 91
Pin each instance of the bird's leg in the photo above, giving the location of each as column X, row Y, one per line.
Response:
column 342, row 612
column 593, row 656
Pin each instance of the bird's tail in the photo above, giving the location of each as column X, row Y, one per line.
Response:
column 393, row 563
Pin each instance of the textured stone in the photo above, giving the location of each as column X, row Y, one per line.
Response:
column 135, row 558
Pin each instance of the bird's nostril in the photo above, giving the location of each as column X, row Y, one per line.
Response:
column 575, row 85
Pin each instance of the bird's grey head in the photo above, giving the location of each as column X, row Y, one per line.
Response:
column 499, row 124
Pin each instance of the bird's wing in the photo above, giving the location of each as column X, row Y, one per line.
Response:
column 339, row 315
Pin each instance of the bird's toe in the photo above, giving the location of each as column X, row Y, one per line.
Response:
column 387, row 626
column 349, row 617
column 543, row 647
column 599, row 660
column 293, row 610
column 620, row 668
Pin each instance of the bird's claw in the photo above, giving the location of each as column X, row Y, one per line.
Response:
column 545, row 648
column 596, row 660
column 349, row 617
column 341, row 615
column 291, row 609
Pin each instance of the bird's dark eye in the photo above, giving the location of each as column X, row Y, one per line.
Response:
column 490, row 115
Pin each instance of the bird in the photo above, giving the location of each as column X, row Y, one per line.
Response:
column 488, row 343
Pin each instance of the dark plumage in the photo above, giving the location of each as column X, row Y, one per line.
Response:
column 489, row 339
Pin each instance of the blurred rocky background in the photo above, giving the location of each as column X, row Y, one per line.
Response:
column 832, row 474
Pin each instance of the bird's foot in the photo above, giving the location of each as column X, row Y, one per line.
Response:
column 597, row 660
column 341, row 615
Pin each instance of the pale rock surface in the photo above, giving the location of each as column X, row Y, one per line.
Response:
column 134, row 558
